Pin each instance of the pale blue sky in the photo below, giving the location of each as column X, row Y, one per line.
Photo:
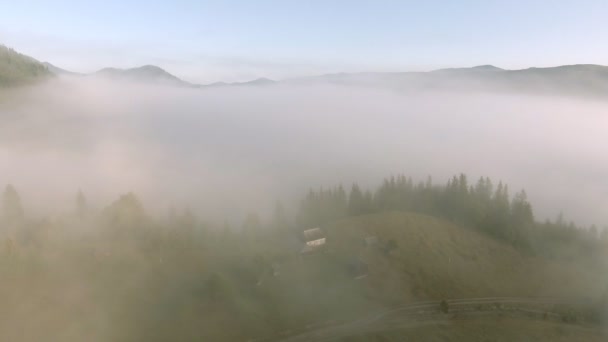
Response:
column 206, row 41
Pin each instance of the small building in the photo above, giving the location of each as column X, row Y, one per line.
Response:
column 371, row 240
column 314, row 240
column 276, row 269
column 358, row 269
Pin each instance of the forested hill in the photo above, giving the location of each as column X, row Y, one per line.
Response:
column 179, row 278
column 481, row 206
column 19, row 69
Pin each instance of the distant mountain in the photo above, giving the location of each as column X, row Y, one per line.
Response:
column 475, row 69
column 257, row 82
column 145, row 74
column 154, row 74
column 57, row 70
column 19, row 69
column 580, row 79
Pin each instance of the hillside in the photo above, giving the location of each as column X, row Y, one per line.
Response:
column 59, row 71
column 157, row 284
column 575, row 80
column 19, row 69
column 436, row 259
column 433, row 260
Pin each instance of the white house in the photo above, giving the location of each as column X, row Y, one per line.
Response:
column 314, row 239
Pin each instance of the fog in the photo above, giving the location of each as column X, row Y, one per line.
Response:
column 228, row 151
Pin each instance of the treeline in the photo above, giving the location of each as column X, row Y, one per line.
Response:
column 127, row 220
column 483, row 206
column 156, row 278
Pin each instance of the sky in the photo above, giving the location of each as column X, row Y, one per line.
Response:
column 209, row 41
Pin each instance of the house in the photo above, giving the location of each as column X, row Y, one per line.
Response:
column 314, row 240
column 371, row 240
column 276, row 269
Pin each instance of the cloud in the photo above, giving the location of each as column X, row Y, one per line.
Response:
column 228, row 151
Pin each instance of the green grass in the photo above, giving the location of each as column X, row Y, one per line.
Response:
column 436, row 259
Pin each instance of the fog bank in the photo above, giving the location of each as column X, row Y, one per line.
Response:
column 232, row 150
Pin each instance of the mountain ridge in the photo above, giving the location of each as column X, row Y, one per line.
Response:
column 572, row 79
column 150, row 71
column 144, row 73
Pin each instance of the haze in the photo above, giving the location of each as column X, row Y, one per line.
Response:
column 247, row 147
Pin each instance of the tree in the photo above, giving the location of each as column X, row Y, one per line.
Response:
column 125, row 213
column 522, row 218
column 81, row 205
column 593, row 232
column 252, row 226
column 187, row 221
column 280, row 223
column 340, row 202
column 322, row 206
column 356, row 202
column 603, row 235
column 496, row 221
column 368, row 202
column 226, row 233
column 12, row 211
column 481, row 196
column 521, row 210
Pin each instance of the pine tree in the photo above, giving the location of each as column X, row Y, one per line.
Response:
column 356, row 202
column 81, row 205
column 521, row 210
column 124, row 214
column 187, row 220
column 368, row 202
column 341, row 202
column 252, row 226
column 280, row 223
column 12, row 211
column 497, row 219
column 522, row 219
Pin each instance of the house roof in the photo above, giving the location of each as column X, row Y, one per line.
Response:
column 313, row 234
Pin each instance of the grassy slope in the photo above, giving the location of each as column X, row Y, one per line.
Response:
column 437, row 259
